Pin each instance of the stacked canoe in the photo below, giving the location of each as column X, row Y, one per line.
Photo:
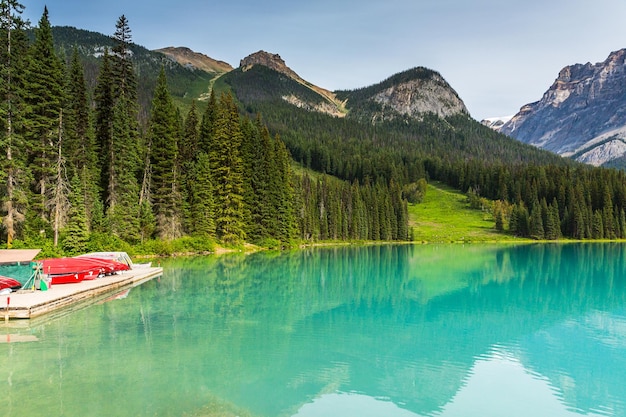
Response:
column 78, row 269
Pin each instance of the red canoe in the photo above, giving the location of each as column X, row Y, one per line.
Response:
column 6, row 282
column 70, row 270
column 110, row 266
column 73, row 278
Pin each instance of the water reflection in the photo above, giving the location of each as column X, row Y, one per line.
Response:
column 405, row 330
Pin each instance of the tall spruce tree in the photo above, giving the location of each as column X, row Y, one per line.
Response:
column 207, row 126
column 76, row 233
column 123, row 207
column 163, row 133
column 187, row 155
column 123, row 71
column 202, row 210
column 227, row 173
column 44, row 96
column 80, row 146
column 13, row 169
column 104, row 105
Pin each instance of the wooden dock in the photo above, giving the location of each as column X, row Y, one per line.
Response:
column 28, row 304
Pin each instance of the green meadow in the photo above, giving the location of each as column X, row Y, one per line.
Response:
column 445, row 216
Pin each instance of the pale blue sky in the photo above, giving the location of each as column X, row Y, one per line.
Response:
column 497, row 54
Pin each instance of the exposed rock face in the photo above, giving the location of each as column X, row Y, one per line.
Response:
column 331, row 106
column 273, row 61
column 583, row 114
column 195, row 60
column 496, row 123
column 415, row 97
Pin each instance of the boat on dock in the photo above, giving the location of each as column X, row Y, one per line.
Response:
column 72, row 270
column 9, row 283
column 121, row 257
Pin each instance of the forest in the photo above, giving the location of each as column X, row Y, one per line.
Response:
column 83, row 170
column 530, row 193
column 94, row 158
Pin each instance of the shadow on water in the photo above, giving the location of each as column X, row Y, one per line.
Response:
column 266, row 334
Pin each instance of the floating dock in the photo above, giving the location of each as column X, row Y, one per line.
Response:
column 28, row 304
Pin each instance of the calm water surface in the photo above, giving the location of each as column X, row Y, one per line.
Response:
column 536, row 330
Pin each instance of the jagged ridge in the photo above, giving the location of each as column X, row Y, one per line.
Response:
column 583, row 113
column 276, row 63
column 195, row 60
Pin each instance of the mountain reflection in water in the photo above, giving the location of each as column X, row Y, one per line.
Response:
column 450, row 330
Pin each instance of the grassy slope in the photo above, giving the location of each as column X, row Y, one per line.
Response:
column 444, row 216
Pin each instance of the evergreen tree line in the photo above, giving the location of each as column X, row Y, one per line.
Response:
column 79, row 166
column 549, row 202
column 531, row 193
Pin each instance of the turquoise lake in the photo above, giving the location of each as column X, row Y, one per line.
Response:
column 427, row 330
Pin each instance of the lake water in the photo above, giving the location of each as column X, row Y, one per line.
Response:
column 432, row 330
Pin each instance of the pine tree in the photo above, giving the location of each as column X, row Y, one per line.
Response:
column 124, row 77
column 104, row 103
column 286, row 210
column 44, row 98
column 163, row 132
column 202, row 204
column 76, row 233
column 80, row 147
column 13, row 169
column 123, row 188
column 207, row 127
column 227, row 173
column 537, row 230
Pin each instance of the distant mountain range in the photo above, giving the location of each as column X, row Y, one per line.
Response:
column 582, row 115
column 407, row 107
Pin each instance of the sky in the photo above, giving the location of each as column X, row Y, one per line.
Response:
column 497, row 54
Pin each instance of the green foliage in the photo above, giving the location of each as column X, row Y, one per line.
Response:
column 163, row 139
column 415, row 191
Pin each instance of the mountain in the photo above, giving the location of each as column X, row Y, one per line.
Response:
column 382, row 131
column 582, row 115
column 409, row 94
column 184, row 81
column 496, row 123
column 299, row 93
column 195, row 60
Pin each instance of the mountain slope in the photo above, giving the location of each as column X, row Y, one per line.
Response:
column 401, row 128
column 195, row 60
column 411, row 94
column 583, row 113
column 184, row 82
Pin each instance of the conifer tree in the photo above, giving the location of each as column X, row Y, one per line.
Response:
column 285, row 188
column 187, row 155
column 227, row 173
column 202, row 204
column 44, row 97
column 76, row 233
column 104, row 103
column 163, row 132
column 123, row 73
column 207, row 127
column 123, row 188
column 13, row 169
column 80, row 147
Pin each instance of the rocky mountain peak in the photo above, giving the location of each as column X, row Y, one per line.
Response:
column 195, row 60
column 582, row 109
column 422, row 95
column 272, row 61
column 332, row 105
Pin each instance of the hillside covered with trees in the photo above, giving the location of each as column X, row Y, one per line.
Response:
column 82, row 169
column 104, row 145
